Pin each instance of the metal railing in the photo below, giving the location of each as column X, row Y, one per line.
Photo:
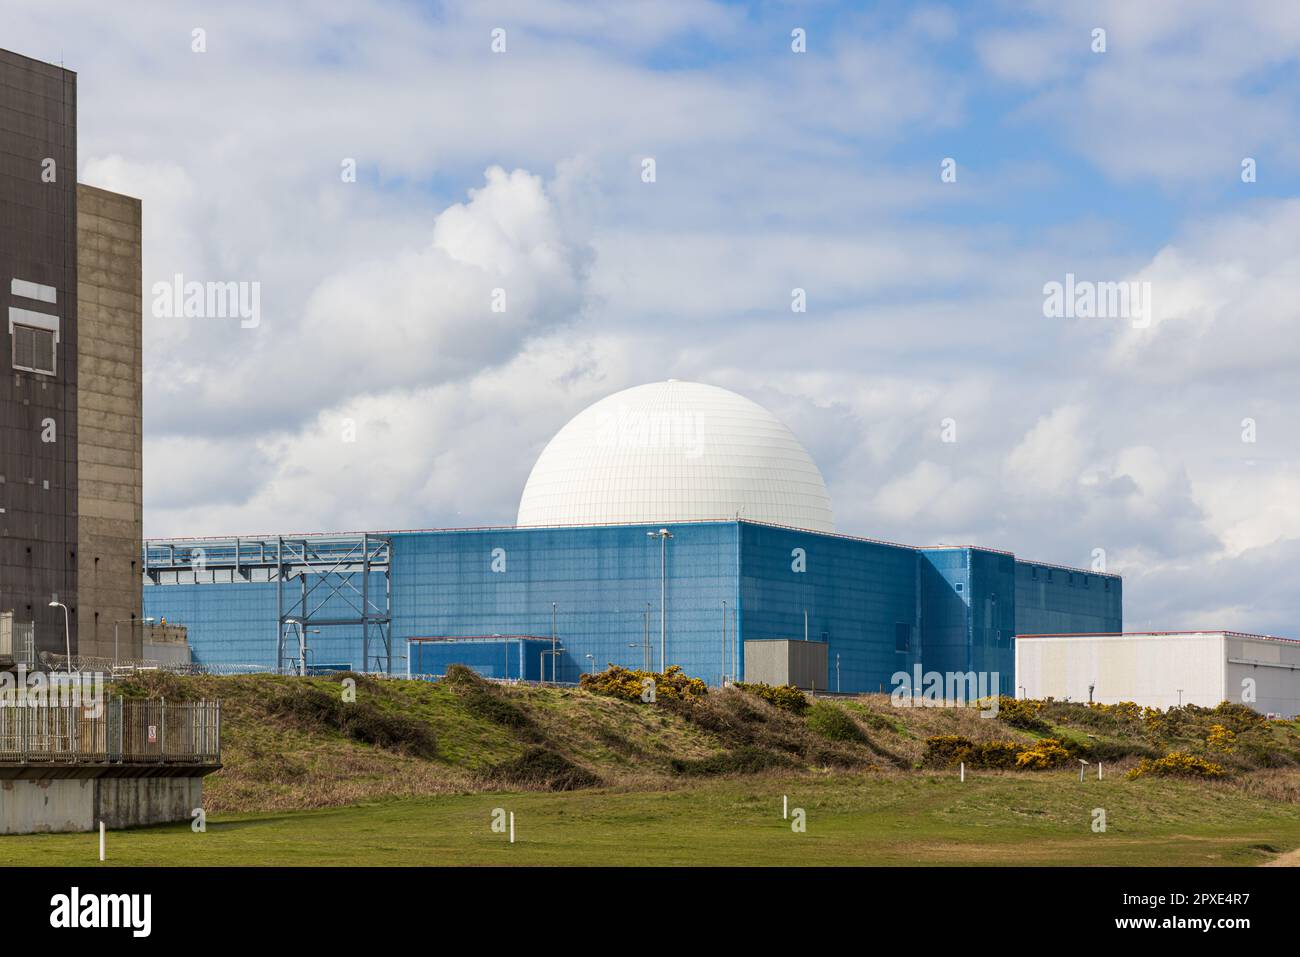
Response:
column 119, row 732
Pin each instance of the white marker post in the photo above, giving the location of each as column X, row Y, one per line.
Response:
column 785, row 807
column 1098, row 770
column 512, row 827
column 101, row 840
column 963, row 772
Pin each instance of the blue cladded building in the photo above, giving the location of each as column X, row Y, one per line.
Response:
column 493, row 597
column 669, row 523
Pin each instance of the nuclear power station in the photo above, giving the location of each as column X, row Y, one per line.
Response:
column 671, row 523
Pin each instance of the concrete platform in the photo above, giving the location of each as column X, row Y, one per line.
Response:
column 60, row 804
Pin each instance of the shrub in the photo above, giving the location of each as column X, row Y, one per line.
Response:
column 1238, row 717
column 786, row 697
column 1021, row 714
column 834, row 723
column 483, row 699
column 1220, row 738
column 746, row 759
column 1178, row 764
column 545, row 770
column 1127, row 711
column 996, row 754
column 671, row 684
column 1047, row 753
column 947, row 750
column 361, row 721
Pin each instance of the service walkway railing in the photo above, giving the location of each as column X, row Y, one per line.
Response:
column 115, row 732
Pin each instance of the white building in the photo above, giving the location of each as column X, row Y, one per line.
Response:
column 1158, row 669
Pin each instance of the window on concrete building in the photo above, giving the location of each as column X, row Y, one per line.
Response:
column 33, row 349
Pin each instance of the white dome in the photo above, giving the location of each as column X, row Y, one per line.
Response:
column 674, row 452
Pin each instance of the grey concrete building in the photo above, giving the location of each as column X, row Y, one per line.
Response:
column 109, row 441
column 70, row 427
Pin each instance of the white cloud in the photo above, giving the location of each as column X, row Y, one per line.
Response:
column 775, row 171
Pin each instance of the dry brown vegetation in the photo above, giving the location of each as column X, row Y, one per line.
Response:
column 292, row 743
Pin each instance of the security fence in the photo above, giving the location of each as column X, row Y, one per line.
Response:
column 114, row 732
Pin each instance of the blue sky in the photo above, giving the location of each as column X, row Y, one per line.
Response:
column 775, row 170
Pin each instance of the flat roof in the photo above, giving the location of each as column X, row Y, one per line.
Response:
column 1161, row 634
column 699, row 521
column 458, row 638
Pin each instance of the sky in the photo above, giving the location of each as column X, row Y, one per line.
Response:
column 921, row 172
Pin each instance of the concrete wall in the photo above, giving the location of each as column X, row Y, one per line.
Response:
column 166, row 644
column 67, row 804
column 1146, row 669
column 109, row 501
column 34, row 807
column 38, row 412
column 131, row 802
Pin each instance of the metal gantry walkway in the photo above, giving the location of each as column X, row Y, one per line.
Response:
column 321, row 581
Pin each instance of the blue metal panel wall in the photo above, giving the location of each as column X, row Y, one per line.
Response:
column 945, row 609
column 502, row 658
column 601, row 579
column 228, row 623
column 957, row 607
column 856, row 593
column 234, row 623
column 1060, row 601
column 993, row 617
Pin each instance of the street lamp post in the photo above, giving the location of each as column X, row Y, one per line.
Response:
column 663, row 535
column 592, row 658
column 67, row 632
column 554, row 646
column 837, row 672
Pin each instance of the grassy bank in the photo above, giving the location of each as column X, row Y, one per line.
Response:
column 410, row 772
column 890, row 819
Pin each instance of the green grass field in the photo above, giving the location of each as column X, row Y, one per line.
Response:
column 875, row 819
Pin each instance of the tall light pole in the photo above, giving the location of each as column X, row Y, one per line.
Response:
column 663, row 535
column 837, row 672
column 645, row 651
column 67, row 632
column 554, row 646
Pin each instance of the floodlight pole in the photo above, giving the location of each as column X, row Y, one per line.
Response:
column 554, row 639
